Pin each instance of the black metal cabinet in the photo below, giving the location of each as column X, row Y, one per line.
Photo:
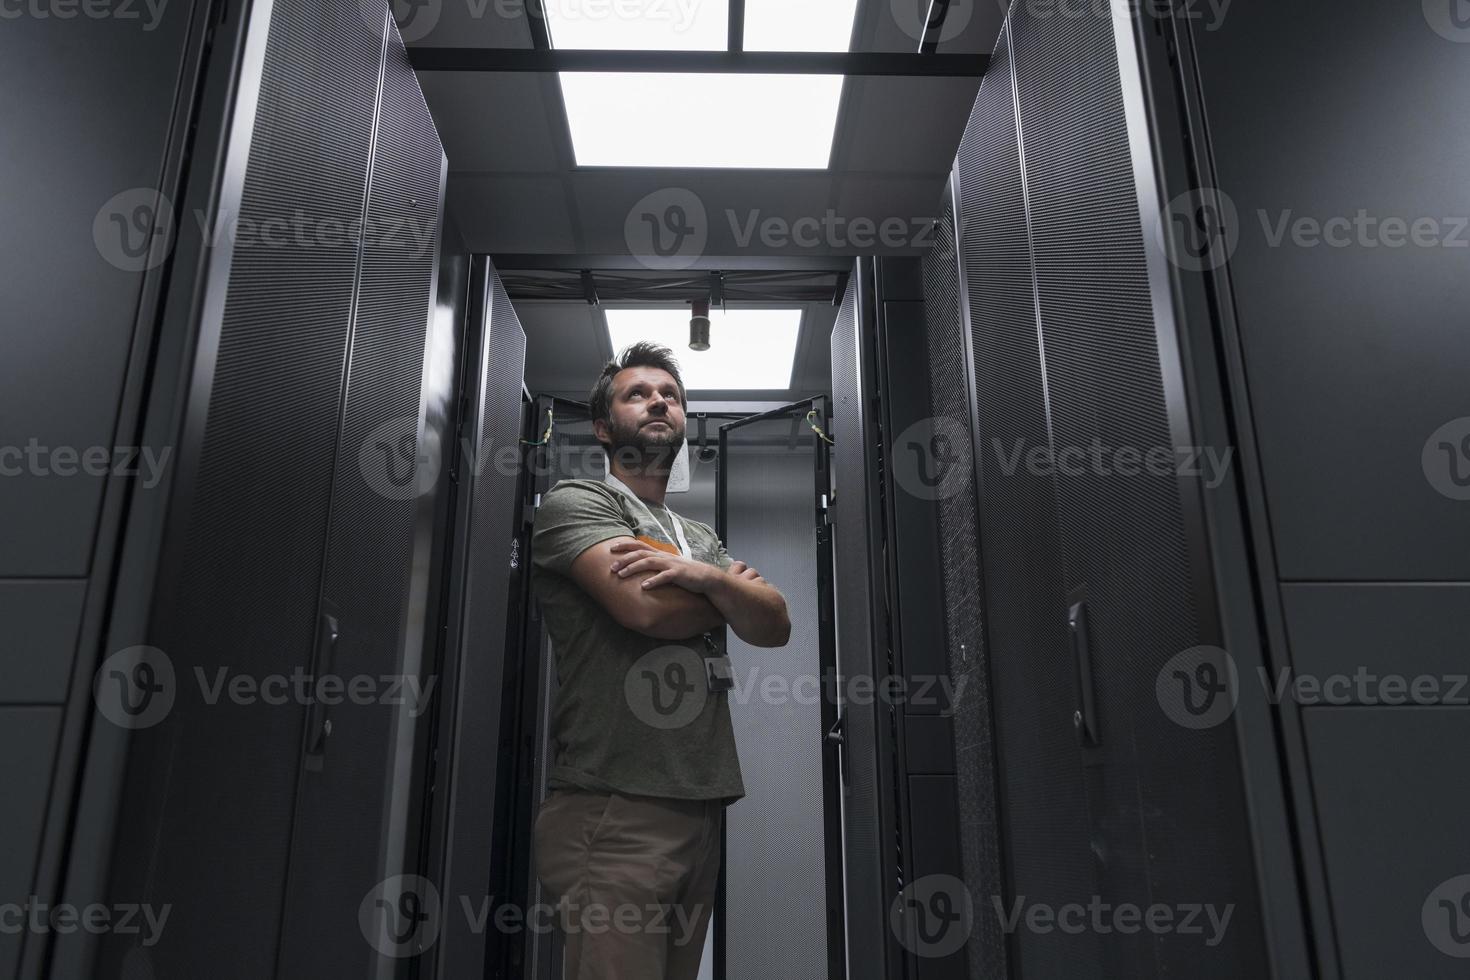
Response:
column 264, row 791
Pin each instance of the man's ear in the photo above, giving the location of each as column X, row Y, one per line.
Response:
column 599, row 429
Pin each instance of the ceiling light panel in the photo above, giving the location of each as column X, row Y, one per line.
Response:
column 799, row 25
column 749, row 349
column 658, row 119
column 639, row 25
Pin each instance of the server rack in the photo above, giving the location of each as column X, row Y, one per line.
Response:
column 247, row 558
column 1304, row 356
column 1093, row 582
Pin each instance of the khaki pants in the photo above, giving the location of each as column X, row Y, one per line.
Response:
column 634, row 880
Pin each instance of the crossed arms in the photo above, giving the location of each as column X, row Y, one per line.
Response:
column 669, row 597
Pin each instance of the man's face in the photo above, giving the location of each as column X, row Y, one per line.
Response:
column 647, row 420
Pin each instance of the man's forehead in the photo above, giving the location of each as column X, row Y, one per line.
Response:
column 628, row 377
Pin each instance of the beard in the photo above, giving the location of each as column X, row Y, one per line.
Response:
column 642, row 449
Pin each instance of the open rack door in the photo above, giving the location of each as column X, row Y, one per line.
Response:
column 781, row 900
column 873, row 864
column 563, row 447
column 474, row 778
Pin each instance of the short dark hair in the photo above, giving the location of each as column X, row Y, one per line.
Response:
column 641, row 354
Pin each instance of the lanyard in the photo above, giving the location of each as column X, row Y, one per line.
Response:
column 719, row 675
column 684, row 549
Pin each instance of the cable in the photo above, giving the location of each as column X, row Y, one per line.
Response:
column 817, row 428
column 546, row 436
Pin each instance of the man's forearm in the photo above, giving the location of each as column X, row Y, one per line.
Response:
column 756, row 611
column 675, row 613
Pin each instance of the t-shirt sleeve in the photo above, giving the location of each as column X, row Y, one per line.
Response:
column 723, row 559
column 570, row 520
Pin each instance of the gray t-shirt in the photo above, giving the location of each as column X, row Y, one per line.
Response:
column 634, row 714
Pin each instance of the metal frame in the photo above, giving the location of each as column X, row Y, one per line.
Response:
column 597, row 288
column 529, row 725
column 540, row 29
column 914, row 573
column 736, row 36
column 1290, row 864
column 447, row 820
column 885, row 515
column 827, row 643
column 868, row 63
column 430, row 815
column 414, row 753
column 516, row 262
column 871, row 878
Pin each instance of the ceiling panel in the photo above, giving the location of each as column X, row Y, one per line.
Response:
column 565, row 345
column 904, row 125
column 501, row 213
column 724, row 212
column 494, row 122
column 899, row 213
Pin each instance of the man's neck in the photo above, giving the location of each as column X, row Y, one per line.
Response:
column 649, row 486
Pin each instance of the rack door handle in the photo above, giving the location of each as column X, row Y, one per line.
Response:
column 1084, row 717
column 318, row 725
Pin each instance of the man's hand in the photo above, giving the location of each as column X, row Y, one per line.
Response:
column 744, row 571
column 755, row 610
column 664, row 614
column 635, row 557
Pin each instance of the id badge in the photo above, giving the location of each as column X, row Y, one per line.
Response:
column 719, row 672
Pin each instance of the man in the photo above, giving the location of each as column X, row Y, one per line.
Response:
column 644, row 761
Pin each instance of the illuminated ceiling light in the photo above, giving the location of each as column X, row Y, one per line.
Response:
column 799, row 25
column 639, row 25
column 741, row 121
column 749, row 349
